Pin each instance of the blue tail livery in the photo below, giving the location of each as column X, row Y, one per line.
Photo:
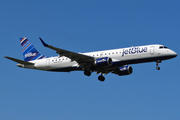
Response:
column 29, row 51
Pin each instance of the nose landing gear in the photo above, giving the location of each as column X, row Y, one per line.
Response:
column 157, row 63
column 158, row 68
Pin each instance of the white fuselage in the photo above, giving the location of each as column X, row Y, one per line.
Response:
column 120, row 57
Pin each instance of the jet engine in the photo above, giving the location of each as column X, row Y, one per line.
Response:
column 103, row 62
column 124, row 70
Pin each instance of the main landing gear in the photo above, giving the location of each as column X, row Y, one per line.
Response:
column 157, row 63
column 101, row 78
column 87, row 73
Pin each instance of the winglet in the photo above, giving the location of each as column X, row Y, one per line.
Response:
column 45, row 44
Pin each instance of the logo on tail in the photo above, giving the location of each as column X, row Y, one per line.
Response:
column 29, row 51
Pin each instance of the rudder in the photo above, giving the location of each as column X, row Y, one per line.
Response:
column 29, row 51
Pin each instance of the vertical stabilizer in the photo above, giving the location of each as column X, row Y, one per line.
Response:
column 29, row 51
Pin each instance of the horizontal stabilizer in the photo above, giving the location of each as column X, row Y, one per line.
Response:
column 19, row 61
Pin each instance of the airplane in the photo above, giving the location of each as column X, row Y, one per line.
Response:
column 102, row 62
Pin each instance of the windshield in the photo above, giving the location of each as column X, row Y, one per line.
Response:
column 163, row 47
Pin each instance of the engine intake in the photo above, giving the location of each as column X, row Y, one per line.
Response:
column 124, row 70
column 103, row 62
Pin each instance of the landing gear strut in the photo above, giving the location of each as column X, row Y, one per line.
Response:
column 157, row 63
column 101, row 78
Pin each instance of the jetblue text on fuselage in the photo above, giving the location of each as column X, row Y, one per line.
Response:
column 134, row 50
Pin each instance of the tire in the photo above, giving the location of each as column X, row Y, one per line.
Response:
column 101, row 78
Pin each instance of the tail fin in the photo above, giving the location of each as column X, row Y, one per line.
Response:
column 29, row 51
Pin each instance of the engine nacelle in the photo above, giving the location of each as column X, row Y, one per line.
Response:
column 124, row 70
column 103, row 62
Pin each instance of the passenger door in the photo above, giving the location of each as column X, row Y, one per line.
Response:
column 48, row 62
column 152, row 50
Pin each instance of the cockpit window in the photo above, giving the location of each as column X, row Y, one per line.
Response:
column 163, row 47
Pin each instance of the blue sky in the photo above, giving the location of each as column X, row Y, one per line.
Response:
column 83, row 26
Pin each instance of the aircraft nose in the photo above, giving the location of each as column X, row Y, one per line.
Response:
column 174, row 54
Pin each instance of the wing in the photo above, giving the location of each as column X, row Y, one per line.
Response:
column 19, row 61
column 79, row 58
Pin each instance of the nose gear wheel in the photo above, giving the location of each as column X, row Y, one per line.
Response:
column 157, row 63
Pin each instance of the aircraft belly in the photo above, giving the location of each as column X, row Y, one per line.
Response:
column 63, row 66
column 142, row 60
